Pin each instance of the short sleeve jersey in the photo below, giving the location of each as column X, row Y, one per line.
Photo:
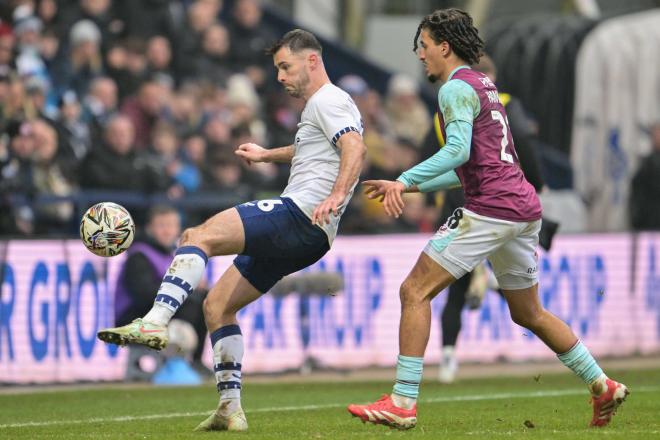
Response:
column 328, row 114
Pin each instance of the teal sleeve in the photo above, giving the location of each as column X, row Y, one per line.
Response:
column 444, row 181
column 458, row 101
column 454, row 154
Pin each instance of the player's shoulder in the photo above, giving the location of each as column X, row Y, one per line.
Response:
column 330, row 94
column 456, row 88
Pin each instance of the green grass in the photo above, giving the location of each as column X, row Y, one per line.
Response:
column 478, row 408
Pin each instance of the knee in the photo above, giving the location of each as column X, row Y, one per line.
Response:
column 191, row 237
column 530, row 319
column 411, row 294
column 207, row 307
column 217, row 310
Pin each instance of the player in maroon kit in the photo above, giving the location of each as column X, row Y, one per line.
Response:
column 500, row 221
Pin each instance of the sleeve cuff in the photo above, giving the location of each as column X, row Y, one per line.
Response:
column 406, row 182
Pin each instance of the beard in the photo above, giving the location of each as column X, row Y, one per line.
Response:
column 293, row 91
column 297, row 89
column 432, row 78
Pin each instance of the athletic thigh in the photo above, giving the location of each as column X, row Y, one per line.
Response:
column 222, row 234
column 515, row 263
column 427, row 278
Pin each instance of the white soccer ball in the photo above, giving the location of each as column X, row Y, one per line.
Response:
column 107, row 229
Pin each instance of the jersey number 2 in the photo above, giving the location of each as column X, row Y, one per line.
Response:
column 496, row 115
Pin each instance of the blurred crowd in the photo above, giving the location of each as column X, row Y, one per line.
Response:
column 153, row 96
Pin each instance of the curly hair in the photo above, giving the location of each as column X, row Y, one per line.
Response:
column 455, row 27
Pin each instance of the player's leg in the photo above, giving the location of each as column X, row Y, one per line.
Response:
column 527, row 311
column 515, row 266
column 230, row 294
column 222, row 234
column 279, row 240
column 398, row 410
column 454, row 250
column 450, row 322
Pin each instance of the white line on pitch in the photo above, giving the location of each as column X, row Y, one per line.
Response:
column 463, row 398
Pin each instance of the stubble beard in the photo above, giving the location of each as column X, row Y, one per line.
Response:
column 298, row 89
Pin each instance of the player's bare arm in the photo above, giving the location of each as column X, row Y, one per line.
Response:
column 255, row 153
column 353, row 152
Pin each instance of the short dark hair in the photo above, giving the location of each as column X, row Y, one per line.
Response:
column 296, row 40
column 160, row 209
column 456, row 28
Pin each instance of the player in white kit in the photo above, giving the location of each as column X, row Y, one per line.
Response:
column 272, row 238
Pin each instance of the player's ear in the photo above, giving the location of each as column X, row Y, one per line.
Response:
column 445, row 48
column 313, row 60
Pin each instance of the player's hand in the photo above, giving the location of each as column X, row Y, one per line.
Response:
column 321, row 214
column 389, row 193
column 251, row 153
column 376, row 188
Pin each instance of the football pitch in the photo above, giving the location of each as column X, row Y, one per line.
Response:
column 550, row 406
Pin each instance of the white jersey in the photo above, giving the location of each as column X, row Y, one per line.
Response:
column 328, row 114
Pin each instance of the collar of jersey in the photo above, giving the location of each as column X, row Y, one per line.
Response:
column 456, row 70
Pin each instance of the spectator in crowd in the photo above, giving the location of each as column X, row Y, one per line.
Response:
column 407, row 113
column 48, row 12
column 159, row 58
column 194, row 151
column 116, row 165
column 226, row 173
column 73, row 132
column 250, row 38
column 7, row 41
column 185, row 113
column 182, row 176
column 126, row 63
column 143, row 110
column 49, row 179
column 16, row 169
column 645, row 188
column 147, row 18
column 98, row 12
column 141, row 273
column 28, row 33
column 99, row 105
column 35, row 98
column 243, row 104
column 214, row 62
column 13, row 105
column 283, row 113
column 83, row 62
column 201, row 15
column 217, row 133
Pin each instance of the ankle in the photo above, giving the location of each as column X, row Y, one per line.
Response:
column 228, row 406
column 403, row 401
column 598, row 386
column 159, row 315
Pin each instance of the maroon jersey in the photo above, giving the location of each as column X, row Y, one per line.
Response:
column 492, row 179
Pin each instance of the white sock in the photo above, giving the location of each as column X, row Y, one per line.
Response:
column 181, row 278
column 403, row 401
column 227, row 357
column 598, row 386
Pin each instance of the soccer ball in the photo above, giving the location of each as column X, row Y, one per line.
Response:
column 107, row 229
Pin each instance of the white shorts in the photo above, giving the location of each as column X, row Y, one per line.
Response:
column 466, row 239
